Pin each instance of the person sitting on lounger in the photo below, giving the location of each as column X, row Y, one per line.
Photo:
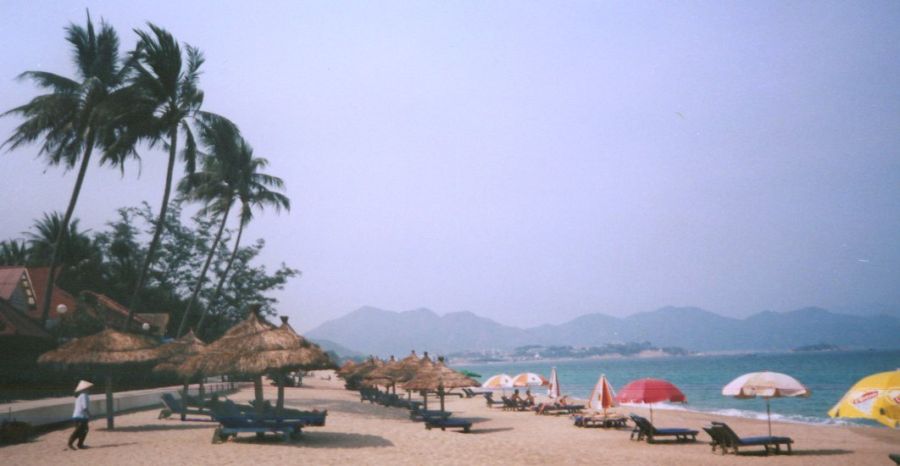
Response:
column 529, row 398
column 516, row 398
column 563, row 401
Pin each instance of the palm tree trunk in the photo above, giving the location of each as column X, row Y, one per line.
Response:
column 54, row 254
column 199, row 284
column 160, row 226
column 215, row 297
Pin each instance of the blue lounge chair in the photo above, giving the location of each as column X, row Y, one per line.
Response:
column 733, row 441
column 644, row 429
column 172, row 405
column 233, row 421
column 448, row 423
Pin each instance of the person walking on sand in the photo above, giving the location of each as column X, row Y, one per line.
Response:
column 81, row 415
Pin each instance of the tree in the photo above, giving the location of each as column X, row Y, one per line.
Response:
column 167, row 98
column 76, row 117
column 216, row 186
column 77, row 256
column 252, row 189
column 13, row 252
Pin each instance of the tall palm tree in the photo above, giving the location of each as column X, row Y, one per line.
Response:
column 70, row 246
column 214, row 185
column 168, row 98
column 253, row 190
column 76, row 116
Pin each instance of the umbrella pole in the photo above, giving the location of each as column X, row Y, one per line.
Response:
column 441, row 394
column 769, row 416
column 110, row 423
column 651, row 413
column 258, row 393
column 184, row 400
column 280, row 402
column 425, row 397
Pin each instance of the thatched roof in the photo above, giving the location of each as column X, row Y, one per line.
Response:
column 347, row 368
column 432, row 377
column 104, row 350
column 174, row 353
column 399, row 371
column 360, row 371
column 254, row 349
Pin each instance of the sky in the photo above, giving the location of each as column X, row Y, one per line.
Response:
column 529, row 161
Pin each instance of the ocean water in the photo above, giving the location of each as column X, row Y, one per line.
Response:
column 827, row 374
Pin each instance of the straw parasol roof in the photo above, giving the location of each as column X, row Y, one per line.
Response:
column 346, row 369
column 254, row 347
column 103, row 350
column 439, row 376
column 174, row 353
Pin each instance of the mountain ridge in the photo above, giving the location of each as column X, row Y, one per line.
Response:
column 377, row 331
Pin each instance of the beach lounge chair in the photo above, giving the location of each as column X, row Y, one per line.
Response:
column 510, row 405
column 895, row 457
column 733, row 441
column 172, row 405
column 610, row 420
column 491, row 402
column 717, row 437
column 448, row 423
column 644, row 429
column 558, row 409
column 311, row 418
column 424, row 414
column 233, row 421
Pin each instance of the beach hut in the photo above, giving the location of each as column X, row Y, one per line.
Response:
column 174, row 353
column 439, row 378
column 105, row 353
column 650, row 391
column 767, row 385
column 875, row 397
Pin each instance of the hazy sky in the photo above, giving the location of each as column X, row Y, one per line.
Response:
column 530, row 161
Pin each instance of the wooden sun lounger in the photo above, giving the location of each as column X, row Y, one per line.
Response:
column 599, row 420
column 561, row 409
column 491, row 402
column 729, row 439
column 448, row 423
column 645, row 430
column 171, row 406
column 423, row 415
column 233, row 421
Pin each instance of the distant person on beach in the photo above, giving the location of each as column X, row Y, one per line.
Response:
column 81, row 415
column 516, row 398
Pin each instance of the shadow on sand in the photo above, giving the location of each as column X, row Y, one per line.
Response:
column 489, row 430
column 157, row 427
column 321, row 440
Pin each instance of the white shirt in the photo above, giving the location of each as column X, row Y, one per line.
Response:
column 81, row 407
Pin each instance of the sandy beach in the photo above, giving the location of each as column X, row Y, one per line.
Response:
column 363, row 433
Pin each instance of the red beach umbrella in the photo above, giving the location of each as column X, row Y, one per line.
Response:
column 650, row 391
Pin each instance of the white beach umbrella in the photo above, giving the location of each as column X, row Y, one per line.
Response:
column 500, row 381
column 603, row 396
column 765, row 385
column 553, row 390
column 529, row 379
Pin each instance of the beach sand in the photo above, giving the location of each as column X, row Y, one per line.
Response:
column 363, row 433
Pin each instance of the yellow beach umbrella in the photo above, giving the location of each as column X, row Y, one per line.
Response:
column 874, row 397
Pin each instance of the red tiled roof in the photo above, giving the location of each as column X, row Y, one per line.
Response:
column 14, row 323
column 113, row 305
column 39, row 277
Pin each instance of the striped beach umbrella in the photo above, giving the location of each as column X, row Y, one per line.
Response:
column 602, row 396
column 765, row 385
column 498, row 381
column 553, row 389
column 530, row 379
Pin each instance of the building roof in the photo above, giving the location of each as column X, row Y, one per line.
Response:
column 157, row 321
column 14, row 324
column 39, row 276
column 10, row 276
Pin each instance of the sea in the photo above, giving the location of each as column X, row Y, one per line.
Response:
column 701, row 377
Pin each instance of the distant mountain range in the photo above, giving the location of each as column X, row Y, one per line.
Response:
column 375, row 331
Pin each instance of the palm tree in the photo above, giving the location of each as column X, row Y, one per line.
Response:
column 76, row 116
column 168, row 97
column 252, row 189
column 13, row 252
column 73, row 247
column 215, row 185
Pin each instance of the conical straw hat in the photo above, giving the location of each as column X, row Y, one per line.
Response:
column 83, row 385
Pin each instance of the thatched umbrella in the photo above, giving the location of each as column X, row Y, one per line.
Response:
column 439, row 377
column 255, row 349
column 104, row 352
column 384, row 374
column 176, row 352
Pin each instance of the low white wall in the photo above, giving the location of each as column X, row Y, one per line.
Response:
column 55, row 410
